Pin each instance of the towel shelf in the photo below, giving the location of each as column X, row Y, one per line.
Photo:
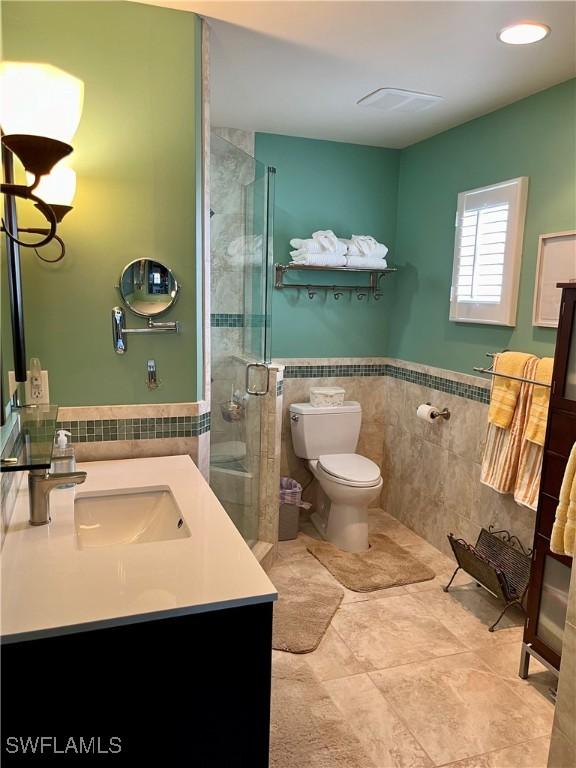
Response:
column 491, row 372
column 361, row 291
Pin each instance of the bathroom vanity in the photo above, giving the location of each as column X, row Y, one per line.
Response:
column 138, row 613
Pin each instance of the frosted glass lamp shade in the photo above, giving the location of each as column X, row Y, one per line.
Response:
column 39, row 100
column 58, row 187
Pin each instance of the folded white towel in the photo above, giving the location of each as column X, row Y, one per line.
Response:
column 309, row 245
column 306, row 250
column 353, row 249
column 320, row 260
column 366, row 262
column 322, row 241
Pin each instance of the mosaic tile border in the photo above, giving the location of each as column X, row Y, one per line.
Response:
column 279, row 387
column 92, row 431
column 104, row 430
column 440, row 383
column 226, row 320
column 237, row 320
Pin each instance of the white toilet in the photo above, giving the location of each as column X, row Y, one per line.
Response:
column 348, row 483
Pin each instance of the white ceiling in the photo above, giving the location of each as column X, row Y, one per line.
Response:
column 298, row 68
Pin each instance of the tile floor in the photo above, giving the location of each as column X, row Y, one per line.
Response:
column 411, row 676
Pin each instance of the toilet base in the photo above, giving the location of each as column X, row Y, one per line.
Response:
column 342, row 525
column 347, row 527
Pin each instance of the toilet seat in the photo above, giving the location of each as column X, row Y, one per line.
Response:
column 350, row 469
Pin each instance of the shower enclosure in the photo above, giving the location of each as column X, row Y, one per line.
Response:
column 241, row 208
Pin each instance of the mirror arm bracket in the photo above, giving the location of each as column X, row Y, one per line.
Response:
column 119, row 329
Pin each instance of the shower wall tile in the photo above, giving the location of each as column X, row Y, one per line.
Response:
column 431, row 472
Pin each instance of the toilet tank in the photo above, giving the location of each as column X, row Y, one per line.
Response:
column 317, row 431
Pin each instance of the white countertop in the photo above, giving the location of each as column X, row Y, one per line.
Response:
column 51, row 587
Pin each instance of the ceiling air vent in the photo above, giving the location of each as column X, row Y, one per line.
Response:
column 399, row 100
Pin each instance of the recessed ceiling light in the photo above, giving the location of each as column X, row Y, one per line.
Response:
column 523, row 33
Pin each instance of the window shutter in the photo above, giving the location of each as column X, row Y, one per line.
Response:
column 487, row 252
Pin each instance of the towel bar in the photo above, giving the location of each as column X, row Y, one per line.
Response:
column 492, row 372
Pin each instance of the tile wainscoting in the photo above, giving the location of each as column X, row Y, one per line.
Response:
column 431, row 471
column 138, row 431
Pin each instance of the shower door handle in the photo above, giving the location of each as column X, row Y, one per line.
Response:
column 261, row 367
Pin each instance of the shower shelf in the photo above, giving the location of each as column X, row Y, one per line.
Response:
column 361, row 291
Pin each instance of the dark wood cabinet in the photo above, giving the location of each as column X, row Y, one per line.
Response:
column 192, row 690
column 550, row 574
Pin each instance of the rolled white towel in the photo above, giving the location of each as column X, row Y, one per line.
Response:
column 322, row 241
column 366, row 245
column 320, row 260
column 327, row 238
column 366, row 262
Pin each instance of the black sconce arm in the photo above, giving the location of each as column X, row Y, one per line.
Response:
column 26, row 193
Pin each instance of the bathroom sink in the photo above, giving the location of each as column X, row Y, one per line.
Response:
column 134, row 516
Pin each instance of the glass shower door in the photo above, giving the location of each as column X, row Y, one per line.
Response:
column 241, row 191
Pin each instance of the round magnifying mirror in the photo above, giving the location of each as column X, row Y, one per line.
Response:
column 148, row 287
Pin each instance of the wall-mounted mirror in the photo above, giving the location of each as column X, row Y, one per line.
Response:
column 148, row 287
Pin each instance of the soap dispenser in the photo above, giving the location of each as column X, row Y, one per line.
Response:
column 63, row 458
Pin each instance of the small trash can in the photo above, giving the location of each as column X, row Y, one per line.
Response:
column 290, row 505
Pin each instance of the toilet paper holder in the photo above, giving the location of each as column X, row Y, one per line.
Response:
column 443, row 414
column 436, row 414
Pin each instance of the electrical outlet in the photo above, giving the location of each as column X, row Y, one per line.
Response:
column 43, row 397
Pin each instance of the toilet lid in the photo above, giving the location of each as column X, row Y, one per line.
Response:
column 351, row 467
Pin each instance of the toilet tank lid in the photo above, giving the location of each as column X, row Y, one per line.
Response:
column 349, row 406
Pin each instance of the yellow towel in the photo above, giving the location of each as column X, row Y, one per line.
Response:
column 563, row 537
column 538, row 414
column 502, row 449
column 505, row 391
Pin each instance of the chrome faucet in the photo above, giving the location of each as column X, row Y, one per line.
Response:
column 40, row 483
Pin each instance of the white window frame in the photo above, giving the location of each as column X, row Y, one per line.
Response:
column 514, row 192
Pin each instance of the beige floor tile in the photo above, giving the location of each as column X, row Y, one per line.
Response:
column 394, row 630
column 457, row 707
column 288, row 550
column 383, row 735
column 531, row 754
column 442, row 578
column 469, row 612
column 333, row 658
column 505, row 661
column 382, row 522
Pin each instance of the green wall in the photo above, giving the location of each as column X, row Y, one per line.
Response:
column 136, row 157
column 534, row 137
column 350, row 189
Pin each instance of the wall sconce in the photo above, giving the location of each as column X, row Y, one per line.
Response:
column 40, row 108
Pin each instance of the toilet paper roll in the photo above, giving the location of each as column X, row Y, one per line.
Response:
column 426, row 412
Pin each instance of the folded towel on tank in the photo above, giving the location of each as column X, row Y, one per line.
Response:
column 366, row 262
column 319, row 259
column 504, row 395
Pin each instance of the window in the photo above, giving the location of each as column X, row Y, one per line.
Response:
column 488, row 253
